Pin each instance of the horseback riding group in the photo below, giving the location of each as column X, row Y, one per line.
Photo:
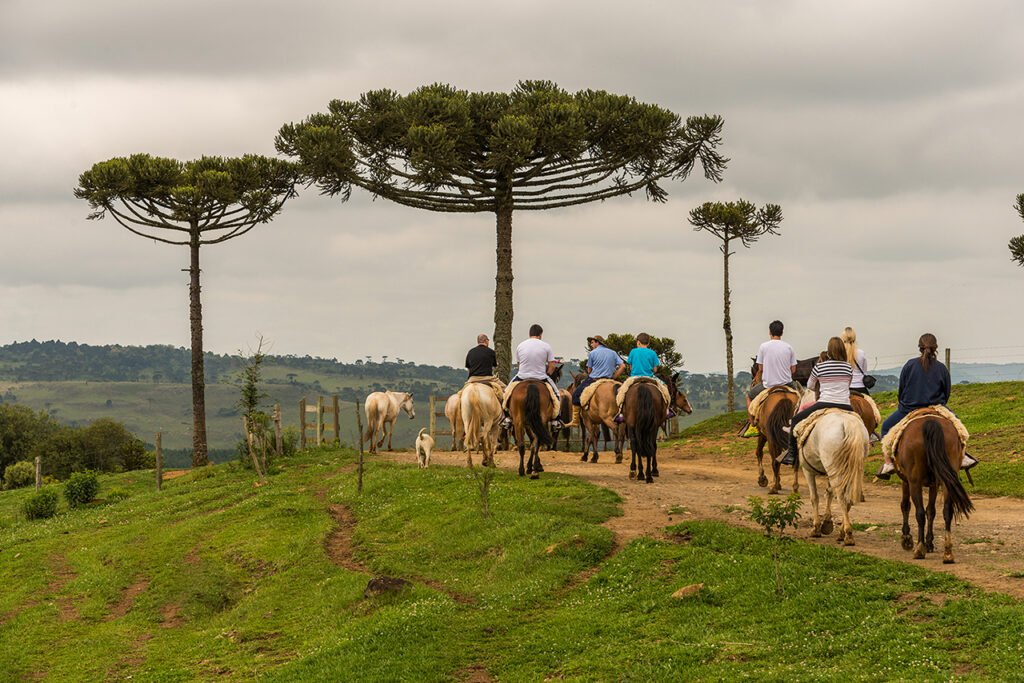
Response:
column 532, row 407
column 825, row 430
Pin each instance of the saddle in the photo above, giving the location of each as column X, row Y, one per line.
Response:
column 758, row 401
column 891, row 442
column 556, row 400
column 589, row 391
column 620, row 397
column 803, row 430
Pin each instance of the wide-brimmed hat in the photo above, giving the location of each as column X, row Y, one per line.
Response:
column 598, row 338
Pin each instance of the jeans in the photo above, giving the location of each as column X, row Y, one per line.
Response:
column 901, row 412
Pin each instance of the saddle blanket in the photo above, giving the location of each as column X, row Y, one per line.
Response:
column 621, row 395
column 803, row 430
column 555, row 399
column 758, row 401
column 871, row 402
column 891, row 442
column 490, row 380
column 590, row 389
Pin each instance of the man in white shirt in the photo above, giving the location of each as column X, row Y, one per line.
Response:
column 776, row 360
column 536, row 360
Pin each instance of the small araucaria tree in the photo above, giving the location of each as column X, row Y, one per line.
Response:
column 1017, row 243
column 191, row 203
column 537, row 147
column 732, row 222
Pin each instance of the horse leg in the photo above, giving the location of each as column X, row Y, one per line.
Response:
column 762, row 480
column 632, row 456
column 826, row 523
column 654, row 459
column 812, row 491
column 929, row 534
column 796, row 477
column 521, row 445
column 391, row 433
column 947, row 517
column 650, row 469
column 776, row 475
column 908, row 542
column 847, row 533
column 535, row 459
column 620, row 442
column 917, row 494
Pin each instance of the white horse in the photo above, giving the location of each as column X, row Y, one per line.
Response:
column 481, row 420
column 836, row 449
column 453, row 411
column 381, row 412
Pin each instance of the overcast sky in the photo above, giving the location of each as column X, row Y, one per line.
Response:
column 889, row 132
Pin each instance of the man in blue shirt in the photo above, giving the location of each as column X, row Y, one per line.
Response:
column 643, row 362
column 602, row 363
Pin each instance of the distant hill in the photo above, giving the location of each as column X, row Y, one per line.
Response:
column 977, row 373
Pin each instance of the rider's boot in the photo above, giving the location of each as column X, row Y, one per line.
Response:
column 968, row 461
column 575, row 421
column 506, row 421
column 886, row 470
column 791, row 454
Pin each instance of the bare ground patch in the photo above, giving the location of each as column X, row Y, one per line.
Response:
column 127, row 599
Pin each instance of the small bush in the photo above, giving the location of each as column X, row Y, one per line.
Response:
column 41, row 505
column 81, row 488
column 115, row 495
column 19, row 474
column 200, row 473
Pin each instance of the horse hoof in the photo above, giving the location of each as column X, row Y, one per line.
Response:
column 816, row 534
column 929, row 547
column 919, row 552
column 632, row 474
column 827, row 526
column 534, row 476
column 762, row 481
column 907, row 543
column 584, row 458
column 848, row 540
column 618, row 459
column 650, row 479
column 594, row 459
column 655, row 473
column 947, row 559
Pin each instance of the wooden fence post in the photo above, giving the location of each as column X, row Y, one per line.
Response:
column 319, row 420
column 302, row 424
column 337, row 420
column 278, row 436
column 252, row 450
column 159, row 461
column 433, row 416
column 359, row 426
column 39, row 472
column 948, row 366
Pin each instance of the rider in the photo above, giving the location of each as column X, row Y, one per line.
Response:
column 833, row 375
column 924, row 382
column 643, row 362
column 536, row 360
column 776, row 361
column 857, row 359
column 602, row 363
column 481, row 361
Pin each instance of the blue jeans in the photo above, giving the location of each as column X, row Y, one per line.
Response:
column 901, row 412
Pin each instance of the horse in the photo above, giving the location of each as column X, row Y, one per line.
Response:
column 599, row 412
column 835, row 449
column 531, row 409
column 645, row 411
column 862, row 407
column 801, row 374
column 381, row 412
column 481, row 420
column 453, row 411
column 929, row 454
column 776, row 412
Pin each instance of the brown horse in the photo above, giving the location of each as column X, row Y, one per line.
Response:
column 645, row 411
column 531, row 409
column 929, row 454
column 777, row 411
column 862, row 407
column 601, row 411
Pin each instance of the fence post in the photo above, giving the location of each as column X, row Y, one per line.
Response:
column 359, row 426
column 948, row 366
column 302, row 424
column 433, row 415
column 250, row 440
column 278, row 437
column 319, row 421
column 337, row 420
column 159, row 461
column 39, row 472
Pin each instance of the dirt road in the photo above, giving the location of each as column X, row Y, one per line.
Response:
column 988, row 547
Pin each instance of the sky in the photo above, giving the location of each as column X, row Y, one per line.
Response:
column 888, row 132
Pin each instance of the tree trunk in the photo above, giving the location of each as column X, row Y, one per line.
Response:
column 503, row 293
column 199, row 452
column 727, row 326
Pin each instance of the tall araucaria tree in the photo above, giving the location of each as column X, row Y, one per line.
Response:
column 191, row 203
column 537, row 147
column 1016, row 244
column 732, row 222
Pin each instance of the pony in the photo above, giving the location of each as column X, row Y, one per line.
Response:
column 600, row 412
column 929, row 454
column 531, row 409
column 776, row 412
column 453, row 411
column 645, row 411
column 481, row 420
column 835, row 449
column 381, row 412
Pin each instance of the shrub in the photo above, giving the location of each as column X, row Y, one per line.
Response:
column 81, row 488
column 19, row 474
column 115, row 495
column 41, row 505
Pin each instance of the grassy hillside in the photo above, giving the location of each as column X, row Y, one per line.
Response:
column 215, row 579
column 993, row 414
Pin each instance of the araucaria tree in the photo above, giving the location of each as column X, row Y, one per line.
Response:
column 733, row 222
column 191, row 203
column 1017, row 243
column 537, row 147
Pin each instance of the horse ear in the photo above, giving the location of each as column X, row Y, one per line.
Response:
column 675, row 377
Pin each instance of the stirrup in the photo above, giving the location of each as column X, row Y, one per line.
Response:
column 970, row 460
column 619, row 419
column 885, row 474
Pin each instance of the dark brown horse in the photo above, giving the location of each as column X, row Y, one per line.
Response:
column 645, row 411
column 776, row 412
column 531, row 409
column 929, row 454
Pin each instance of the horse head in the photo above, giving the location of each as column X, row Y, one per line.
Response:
column 556, row 373
column 679, row 400
column 408, row 406
column 755, row 372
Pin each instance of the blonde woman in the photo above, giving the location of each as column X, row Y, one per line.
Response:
column 857, row 359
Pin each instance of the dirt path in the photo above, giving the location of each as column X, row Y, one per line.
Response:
column 989, row 547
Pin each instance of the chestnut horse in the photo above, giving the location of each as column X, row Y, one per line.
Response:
column 929, row 454
column 382, row 408
column 645, row 411
column 600, row 411
column 531, row 409
column 776, row 412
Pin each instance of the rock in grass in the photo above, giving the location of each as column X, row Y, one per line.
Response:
column 380, row 585
column 687, row 591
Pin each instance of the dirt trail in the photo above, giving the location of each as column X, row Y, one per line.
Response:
column 988, row 547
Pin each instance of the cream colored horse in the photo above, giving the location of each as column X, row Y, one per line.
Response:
column 481, row 420
column 453, row 411
column 835, row 449
column 382, row 409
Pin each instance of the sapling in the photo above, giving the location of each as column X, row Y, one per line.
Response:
column 776, row 514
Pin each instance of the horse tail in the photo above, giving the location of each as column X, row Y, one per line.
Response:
column 371, row 421
column 565, row 409
column 938, row 463
column 646, row 425
column 779, row 417
column 471, row 421
column 531, row 407
column 849, row 459
column 605, row 432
